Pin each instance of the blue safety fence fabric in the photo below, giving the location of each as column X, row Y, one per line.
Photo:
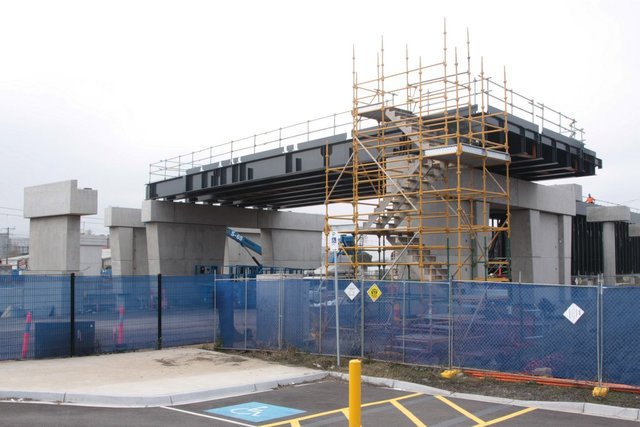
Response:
column 34, row 320
column 117, row 310
column 349, row 320
column 187, row 309
column 621, row 335
column 522, row 328
column 549, row 330
column 419, row 312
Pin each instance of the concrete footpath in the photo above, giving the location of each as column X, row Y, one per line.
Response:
column 145, row 378
column 188, row 374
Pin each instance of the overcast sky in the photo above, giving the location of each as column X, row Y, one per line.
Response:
column 95, row 91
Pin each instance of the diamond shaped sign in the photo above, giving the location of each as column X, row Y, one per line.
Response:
column 352, row 291
column 573, row 313
column 374, row 292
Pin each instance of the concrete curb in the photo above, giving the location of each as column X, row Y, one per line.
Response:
column 123, row 401
column 592, row 409
column 82, row 399
column 390, row 383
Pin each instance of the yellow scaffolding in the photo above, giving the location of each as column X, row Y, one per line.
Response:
column 424, row 202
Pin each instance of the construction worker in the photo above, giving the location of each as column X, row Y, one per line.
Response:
column 590, row 199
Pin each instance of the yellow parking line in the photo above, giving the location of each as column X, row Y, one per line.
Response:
column 461, row 410
column 295, row 423
column 506, row 417
column 408, row 414
column 380, row 402
column 344, row 411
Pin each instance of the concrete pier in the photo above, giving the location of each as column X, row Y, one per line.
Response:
column 128, row 237
column 54, row 211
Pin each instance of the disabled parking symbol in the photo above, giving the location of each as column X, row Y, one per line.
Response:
column 255, row 411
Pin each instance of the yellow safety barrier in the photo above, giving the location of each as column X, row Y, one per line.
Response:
column 450, row 373
column 355, row 390
column 600, row 392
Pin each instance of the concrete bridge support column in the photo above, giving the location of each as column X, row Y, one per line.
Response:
column 128, row 238
column 541, row 247
column 54, row 211
column 291, row 239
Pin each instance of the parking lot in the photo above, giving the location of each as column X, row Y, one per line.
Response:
column 317, row 404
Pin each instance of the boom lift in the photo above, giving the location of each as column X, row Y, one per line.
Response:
column 247, row 244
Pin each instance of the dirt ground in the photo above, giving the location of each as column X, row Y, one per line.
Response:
column 431, row 377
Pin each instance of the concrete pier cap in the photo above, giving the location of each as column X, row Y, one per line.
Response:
column 608, row 214
column 123, row 217
column 59, row 198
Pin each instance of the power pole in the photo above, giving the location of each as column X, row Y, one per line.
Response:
column 8, row 245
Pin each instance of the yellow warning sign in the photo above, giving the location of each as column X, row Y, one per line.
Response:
column 374, row 292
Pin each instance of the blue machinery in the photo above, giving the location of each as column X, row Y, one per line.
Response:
column 246, row 243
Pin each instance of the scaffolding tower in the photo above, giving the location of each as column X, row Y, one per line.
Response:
column 425, row 205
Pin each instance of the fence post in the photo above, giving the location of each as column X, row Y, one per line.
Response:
column 599, row 331
column 362, row 302
column 215, row 312
column 337, row 304
column 404, row 317
column 72, row 317
column 320, row 327
column 159, row 307
column 450, row 292
column 280, row 311
column 246, row 306
column 451, row 323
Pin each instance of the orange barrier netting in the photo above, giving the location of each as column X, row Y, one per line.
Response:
column 558, row 382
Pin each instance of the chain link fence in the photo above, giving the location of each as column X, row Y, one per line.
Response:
column 573, row 332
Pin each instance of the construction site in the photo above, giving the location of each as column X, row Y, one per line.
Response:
column 434, row 206
column 432, row 174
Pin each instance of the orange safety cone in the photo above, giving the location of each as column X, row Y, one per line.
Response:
column 121, row 326
column 25, row 337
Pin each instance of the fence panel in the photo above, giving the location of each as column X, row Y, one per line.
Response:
column 522, row 328
column 268, row 303
column 621, row 335
column 114, row 314
column 296, row 311
column 349, row 319
column 187, row 309
column 425, row 339
column 383, row 320
column 35, row 317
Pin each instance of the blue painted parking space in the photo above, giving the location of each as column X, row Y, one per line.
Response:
column 255, row 412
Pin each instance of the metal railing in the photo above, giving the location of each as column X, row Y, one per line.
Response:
column 334, row 124
column 233, row 151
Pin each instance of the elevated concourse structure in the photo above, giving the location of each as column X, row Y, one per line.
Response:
column 431, row 172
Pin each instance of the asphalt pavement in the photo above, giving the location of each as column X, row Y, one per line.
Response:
column 190, row 387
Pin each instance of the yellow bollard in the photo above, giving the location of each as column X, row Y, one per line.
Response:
column 355, row 389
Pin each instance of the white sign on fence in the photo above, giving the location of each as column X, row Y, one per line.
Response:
column 352, row 291
column 573, row 313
